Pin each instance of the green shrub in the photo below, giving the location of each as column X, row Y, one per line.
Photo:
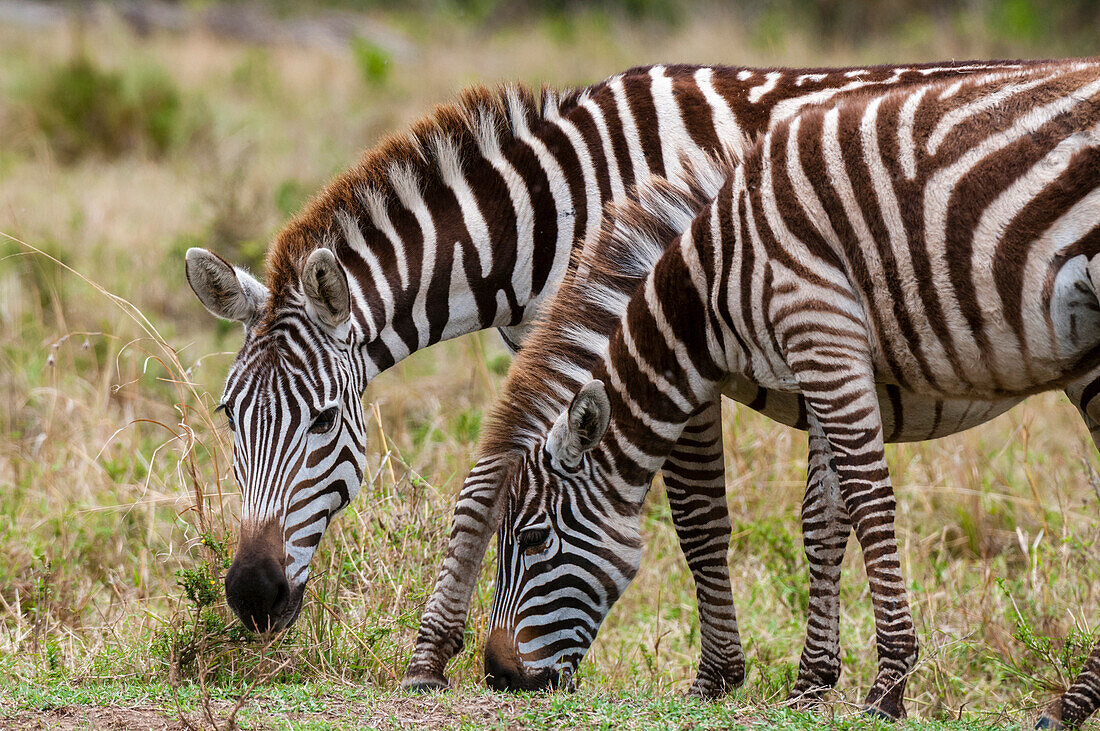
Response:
column 83, row 110
column 373, row 62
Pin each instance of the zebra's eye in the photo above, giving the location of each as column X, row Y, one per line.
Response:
column 533, row 540
column 324, row 421
column 228, row 417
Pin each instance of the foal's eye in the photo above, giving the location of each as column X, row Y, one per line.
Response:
column 324, row 421
column 533, row 539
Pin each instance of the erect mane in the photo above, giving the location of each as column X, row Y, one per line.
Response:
column 572, row 335
column 479, row 119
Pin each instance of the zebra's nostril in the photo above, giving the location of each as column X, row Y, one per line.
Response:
column 257, row 591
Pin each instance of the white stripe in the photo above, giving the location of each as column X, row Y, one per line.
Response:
column 675, row 140
column 630, row 131
column 958, row 115
column 770, row 80
column 375, row 202
column 408, row 193
column 729, row 132
column 611, row 163
column 450, row 169
column 907, row 152
column 593, row 202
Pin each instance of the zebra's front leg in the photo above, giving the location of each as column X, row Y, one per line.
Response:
column 838, row 384
column 476, row 518
column 695, row 480
column 825, row 529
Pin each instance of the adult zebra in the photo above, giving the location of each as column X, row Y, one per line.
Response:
column 465, row 223
column 799, row 276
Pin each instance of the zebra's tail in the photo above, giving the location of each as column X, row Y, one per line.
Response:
column 1094, row 273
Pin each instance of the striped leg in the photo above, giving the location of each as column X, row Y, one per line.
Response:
column 1083, row 697
column 840, row 393
column 1080, row 701
column 695, row 480
column 476, row 518
column 825, row 529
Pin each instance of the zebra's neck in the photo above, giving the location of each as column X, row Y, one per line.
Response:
column 659, row 369
column 608, row 323
column 492, row 230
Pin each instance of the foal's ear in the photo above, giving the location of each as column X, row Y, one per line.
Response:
column 581, row 426
column 326, row 289
column 226, row 291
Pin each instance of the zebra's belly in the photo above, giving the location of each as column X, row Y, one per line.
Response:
column 993, row 351
column 906, row 416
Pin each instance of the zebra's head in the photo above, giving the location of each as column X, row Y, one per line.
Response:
column 293, row 400
column 566, row 552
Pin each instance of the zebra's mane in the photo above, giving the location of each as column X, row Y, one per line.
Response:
column 479, row 121
column 571, row 337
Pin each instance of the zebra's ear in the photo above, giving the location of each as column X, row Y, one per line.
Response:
column 226, row 291
column 326, row 288
column 581, row 426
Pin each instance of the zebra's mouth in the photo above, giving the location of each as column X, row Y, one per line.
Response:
column 292, row 610
column 543, row 679
column 278, row 618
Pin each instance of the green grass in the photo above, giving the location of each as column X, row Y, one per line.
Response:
column 315, row 706
column 116, row 503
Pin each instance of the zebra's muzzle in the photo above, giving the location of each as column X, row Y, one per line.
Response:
column 256, row 587
column 505, row 671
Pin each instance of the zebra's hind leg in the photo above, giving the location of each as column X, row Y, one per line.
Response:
column 825, row 529
column 695, row 480
column 837, row 381
column 1080, row 701
column 1083, row 697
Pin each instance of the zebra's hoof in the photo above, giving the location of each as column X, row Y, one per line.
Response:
column 1046, row 722
column 878, row 713
column 707, row 691
column 425, row 684
column 711, row 690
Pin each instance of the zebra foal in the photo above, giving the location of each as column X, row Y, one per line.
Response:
column 941, row 239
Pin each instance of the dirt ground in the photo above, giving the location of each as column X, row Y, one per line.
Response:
column 423, row 712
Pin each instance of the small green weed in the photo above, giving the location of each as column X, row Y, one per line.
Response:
column 1043, row 654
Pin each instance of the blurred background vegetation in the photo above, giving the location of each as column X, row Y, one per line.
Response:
column 131, row 131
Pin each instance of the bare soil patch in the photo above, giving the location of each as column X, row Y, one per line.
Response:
column 396, row 712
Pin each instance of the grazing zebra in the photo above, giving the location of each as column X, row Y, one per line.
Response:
column 469, row 222
column 942, row 239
